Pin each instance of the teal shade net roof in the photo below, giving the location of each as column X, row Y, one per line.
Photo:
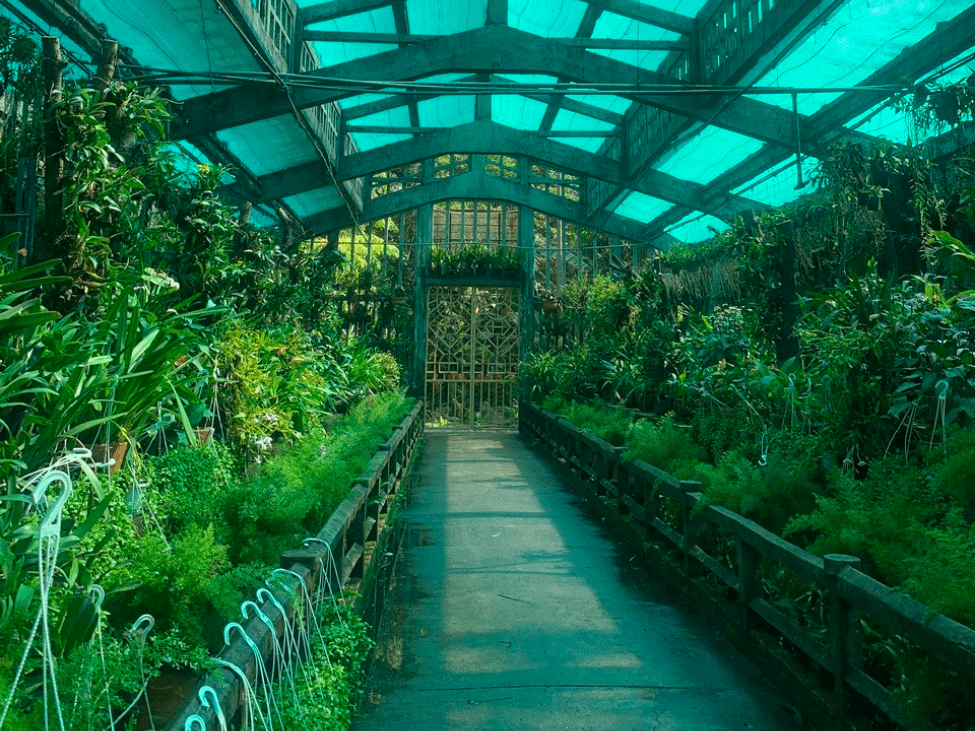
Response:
column 176, row 35
column 617, row 27
column 707, row 155
column 826, row 48
column 518, row 112
column 315, row 201
column 642, row 207
column 428, row 16
column 360, row 99
column 853, row 43
column 446, row 111
column 777, row 187
column 547, row 18
column 695, row 228
column 270, row 145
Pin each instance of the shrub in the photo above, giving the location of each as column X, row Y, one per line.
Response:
column 666, row 446
column 174, row 582
column 941, row 572
column 771, row 495
column 878, row 519
column 294, row 494
column 951, row 468
column 610, row 425
column 193, row 482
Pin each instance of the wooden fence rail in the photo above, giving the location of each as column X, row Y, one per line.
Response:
column 341, row 554
column 728, row 559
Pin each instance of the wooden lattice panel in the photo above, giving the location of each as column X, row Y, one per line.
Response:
column 473, row 340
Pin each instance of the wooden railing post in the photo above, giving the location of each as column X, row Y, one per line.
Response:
column 624, row 484
column 748, row 560
column 841, row 623
column 359, row 531
column 688, row 523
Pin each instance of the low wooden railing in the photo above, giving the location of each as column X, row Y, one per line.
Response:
column 340, row 556
column 726, row 559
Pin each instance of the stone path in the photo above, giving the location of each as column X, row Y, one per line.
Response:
column 512, row 610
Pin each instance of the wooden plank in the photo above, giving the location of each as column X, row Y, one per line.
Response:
column 942, row 637
column 884, row 700
column 768, row 544
column 792, row 632
column 714, row 566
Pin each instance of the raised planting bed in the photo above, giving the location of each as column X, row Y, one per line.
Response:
column 341, row 557
column 827, row 634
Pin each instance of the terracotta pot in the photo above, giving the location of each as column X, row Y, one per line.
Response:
column 116, row 451
column 167, row 693
column 204, row 434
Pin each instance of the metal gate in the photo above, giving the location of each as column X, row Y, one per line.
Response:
column 473, row 339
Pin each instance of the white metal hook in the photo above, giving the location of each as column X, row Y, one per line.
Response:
column 214, row 702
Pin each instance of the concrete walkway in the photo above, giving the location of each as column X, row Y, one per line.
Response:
column 516, row 611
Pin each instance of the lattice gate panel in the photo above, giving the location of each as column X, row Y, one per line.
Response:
column 473, row 340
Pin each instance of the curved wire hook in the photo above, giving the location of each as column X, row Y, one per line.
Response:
column 214, row 703
column 246, row 637
column 143, row 625
column 248, row 690
column 265, row 595
column 194, row 723
column 260, row 614
column 50, row 523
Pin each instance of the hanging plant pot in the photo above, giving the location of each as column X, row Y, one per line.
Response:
column 550, row 305
column 204, row 434
column 102, row 453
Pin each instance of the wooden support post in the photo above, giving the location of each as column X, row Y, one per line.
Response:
column 624, row 481
column 787, row 343
column 688, row 523
column 421, row 261
column 748, row 560
column 651, row 503
column 52, row 66
column 842, row 628
column 244, row 213
column 107, row 65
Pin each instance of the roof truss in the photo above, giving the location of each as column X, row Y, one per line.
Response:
column 474, row 186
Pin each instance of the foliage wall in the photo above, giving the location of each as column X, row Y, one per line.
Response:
column 143, row 318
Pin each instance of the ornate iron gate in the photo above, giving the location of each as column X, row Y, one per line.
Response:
column 473, row 339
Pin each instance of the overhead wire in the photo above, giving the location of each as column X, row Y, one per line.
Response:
column 302, row 122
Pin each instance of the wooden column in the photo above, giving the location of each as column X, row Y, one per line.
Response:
column 424, row 237
column 107, row 65
column 526, row 243
column 53, row 228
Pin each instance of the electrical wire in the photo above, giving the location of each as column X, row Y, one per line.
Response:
column 280, row 80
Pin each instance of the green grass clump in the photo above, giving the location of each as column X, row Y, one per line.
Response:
column 610, row 425
column 666, row 446
column 295, row 493
column 771, row 495
column 951, row 469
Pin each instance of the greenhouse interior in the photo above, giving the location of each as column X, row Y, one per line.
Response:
column 565, row 364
